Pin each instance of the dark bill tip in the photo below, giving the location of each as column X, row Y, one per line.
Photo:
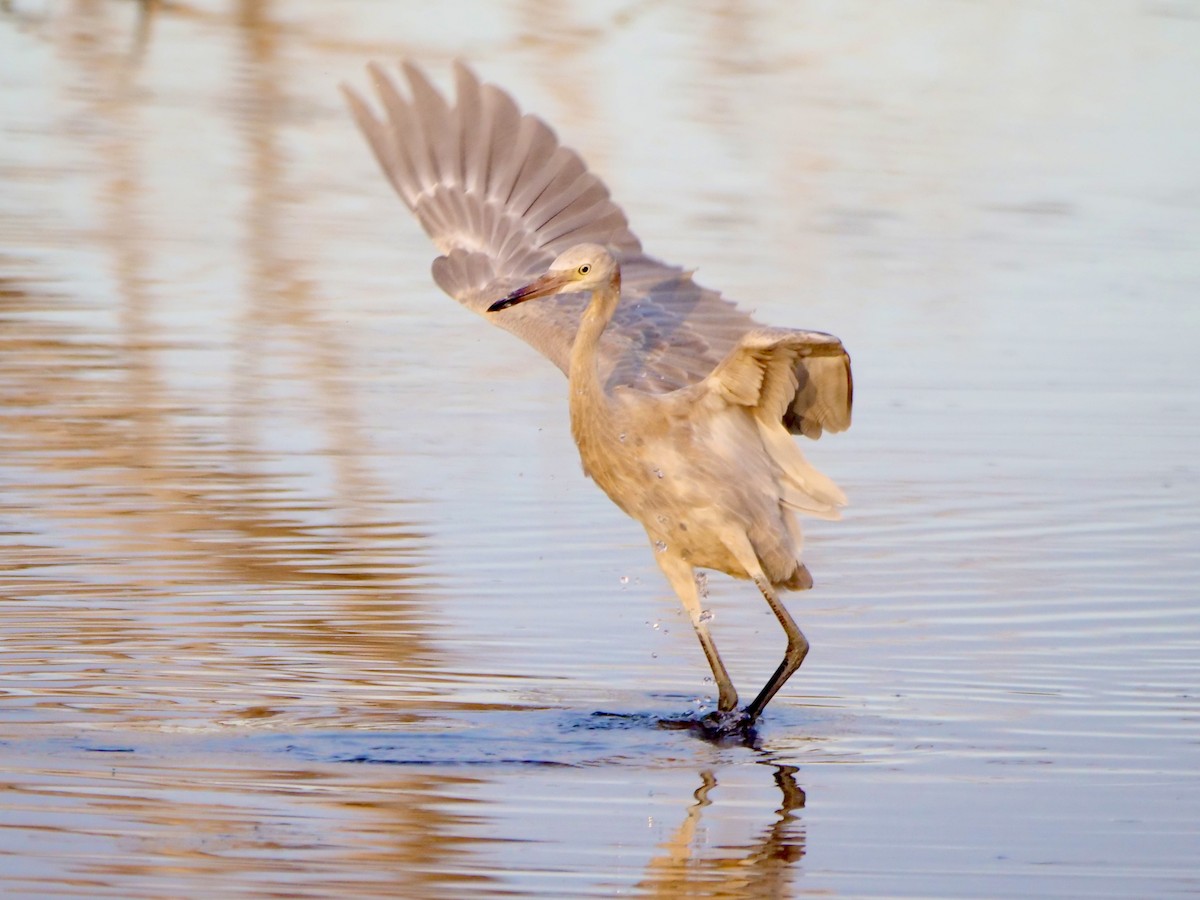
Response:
column 544, row 286
column 511, row 300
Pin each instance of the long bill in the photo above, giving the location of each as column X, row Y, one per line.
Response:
column 550, row 283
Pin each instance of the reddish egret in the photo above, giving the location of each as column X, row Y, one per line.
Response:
column 680, row 403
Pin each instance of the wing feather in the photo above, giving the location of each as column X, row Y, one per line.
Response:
column 760, row 375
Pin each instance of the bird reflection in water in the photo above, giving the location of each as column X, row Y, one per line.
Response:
column 689, row 866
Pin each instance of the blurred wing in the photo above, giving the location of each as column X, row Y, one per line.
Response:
column 500, row 198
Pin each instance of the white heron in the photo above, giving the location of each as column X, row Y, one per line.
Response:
column 681, row 405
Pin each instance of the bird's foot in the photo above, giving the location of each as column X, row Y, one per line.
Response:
column 725, row 723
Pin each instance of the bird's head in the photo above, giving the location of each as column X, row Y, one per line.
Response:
column 584, row 267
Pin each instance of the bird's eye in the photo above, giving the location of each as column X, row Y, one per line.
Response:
column 584, row 269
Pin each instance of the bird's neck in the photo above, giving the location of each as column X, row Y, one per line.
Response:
column 584, row 370
column 589, row 400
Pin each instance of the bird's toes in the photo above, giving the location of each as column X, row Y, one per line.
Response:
column 727, row 723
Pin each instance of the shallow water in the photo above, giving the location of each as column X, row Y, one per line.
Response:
column 301, row 589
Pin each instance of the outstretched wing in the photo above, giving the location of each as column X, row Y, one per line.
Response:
column 500, row 198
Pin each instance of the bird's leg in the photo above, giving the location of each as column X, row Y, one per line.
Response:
column 797, row 644
column 683, row 579
column 797, row 649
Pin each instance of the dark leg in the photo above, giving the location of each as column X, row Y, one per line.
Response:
column 797, row 644
column 797, row 648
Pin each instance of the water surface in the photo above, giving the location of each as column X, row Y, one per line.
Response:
column 301, row 588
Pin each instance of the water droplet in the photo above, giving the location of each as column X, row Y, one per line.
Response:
column 662, row 520
column 660, row 546
column 706, row 615
column 624, row 579
column 621, row 437
column 657, row 625
column 659, row 472
column 708, row 679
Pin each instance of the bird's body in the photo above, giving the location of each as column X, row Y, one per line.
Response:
column 689, row 465
column 687, row 483
column 680, row 405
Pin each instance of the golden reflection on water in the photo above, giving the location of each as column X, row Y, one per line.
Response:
column 227, row 827
column 173, row 547
column 180, row 572
column 159, row 501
